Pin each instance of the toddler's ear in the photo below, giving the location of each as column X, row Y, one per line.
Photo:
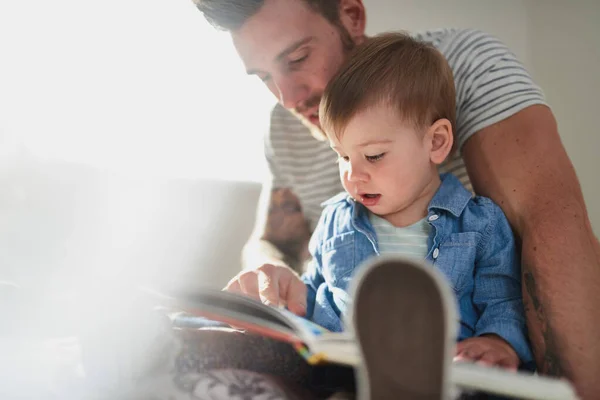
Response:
column 442, row 139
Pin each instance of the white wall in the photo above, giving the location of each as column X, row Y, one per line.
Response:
column 559, row 43
column 506, row 19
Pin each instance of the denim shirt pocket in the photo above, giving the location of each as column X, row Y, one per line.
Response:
column 457, row 256
column 338, row 260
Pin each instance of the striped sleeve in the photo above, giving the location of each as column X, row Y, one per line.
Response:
column 491, row 84
column 277, row 178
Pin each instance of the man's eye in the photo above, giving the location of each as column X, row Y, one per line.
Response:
column 343, row 159
column 375, row 157
column 298, row 60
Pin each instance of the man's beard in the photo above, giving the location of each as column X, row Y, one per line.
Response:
column 347, row 46
column 315, row 130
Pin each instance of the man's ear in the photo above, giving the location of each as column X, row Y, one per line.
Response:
column 441, row 137
column 353, row 18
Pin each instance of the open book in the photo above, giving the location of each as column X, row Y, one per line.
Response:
column 317, row 345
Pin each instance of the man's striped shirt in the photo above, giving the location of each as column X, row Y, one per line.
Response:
column 491, row 85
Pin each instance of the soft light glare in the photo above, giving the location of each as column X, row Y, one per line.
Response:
column 136, row 86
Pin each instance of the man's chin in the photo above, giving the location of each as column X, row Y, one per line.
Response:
column 313, row 127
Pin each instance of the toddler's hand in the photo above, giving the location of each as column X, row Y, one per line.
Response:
column 489, row 350
column 276, row 285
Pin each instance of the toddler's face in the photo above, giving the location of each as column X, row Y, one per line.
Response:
column 384, row 162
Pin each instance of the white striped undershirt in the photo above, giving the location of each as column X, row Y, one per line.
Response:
column 408, row 241
column 491, row 85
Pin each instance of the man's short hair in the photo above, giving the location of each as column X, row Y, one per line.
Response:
column 394, row 70
column 230, row 15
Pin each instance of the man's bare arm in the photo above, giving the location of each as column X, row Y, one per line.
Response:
column 522, row 165
column 282, row 232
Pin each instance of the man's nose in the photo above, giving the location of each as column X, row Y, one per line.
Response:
column 291, row 93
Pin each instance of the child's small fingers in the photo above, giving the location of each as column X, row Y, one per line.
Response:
column 472, row 346
column 490, row 358
column 461, row 345
column 460, row 358
column 249, row 285
column 268, row 287
column 509, row 364
column 464, row 353
column 296, row 298
column 233, row 286
column 469, row 352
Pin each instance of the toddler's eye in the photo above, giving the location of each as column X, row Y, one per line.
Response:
column 375, row 157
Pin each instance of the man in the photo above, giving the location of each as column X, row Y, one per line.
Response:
column 507, row 138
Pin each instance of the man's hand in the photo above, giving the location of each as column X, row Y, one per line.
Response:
column 489, row 350
column 276, row 285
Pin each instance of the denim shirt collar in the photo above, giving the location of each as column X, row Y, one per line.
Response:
column 451, row 196
column 342, row 196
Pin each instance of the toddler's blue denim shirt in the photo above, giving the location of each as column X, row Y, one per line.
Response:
column 470, row 242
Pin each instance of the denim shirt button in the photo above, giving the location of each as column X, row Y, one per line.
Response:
column 433, row 217
column 436, row 253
